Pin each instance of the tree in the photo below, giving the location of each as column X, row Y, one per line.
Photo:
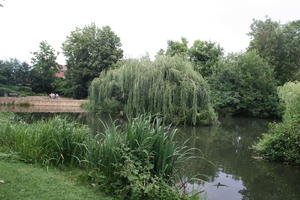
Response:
column 14, row 77
column 204, row 55
column 14, row 72
column 44, row 67
column 161, row 52
column 279, row 44
column 89, row 51
column 244, row 84
column 177, row 48
column 5, row 73
column 169, row 86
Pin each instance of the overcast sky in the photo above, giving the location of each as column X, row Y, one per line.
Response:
column 143, row 25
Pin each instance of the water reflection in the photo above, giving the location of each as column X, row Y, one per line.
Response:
column 234, row 174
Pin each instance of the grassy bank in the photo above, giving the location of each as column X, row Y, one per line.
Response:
column 138, row 160
column 30, row 182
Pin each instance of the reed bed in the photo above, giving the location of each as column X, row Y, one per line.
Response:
column 138, row 160
column 56, row 141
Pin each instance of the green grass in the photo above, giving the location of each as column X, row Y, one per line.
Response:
column 56, row 141
column 30, row 182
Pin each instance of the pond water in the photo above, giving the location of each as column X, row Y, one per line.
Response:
column 233, row 173
column 227, row 166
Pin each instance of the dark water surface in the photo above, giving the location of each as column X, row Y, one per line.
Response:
column 228, row 169
column 235, row 174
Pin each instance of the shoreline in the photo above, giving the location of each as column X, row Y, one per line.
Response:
column 41, row 104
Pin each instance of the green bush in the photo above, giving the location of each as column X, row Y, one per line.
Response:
column 244, row 84
column 168, row 86
column 56, row 141
column 282, row 141
column 139, row 161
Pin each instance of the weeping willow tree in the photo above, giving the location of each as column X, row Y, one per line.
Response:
column 168, row 86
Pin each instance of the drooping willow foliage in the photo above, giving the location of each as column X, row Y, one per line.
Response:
column 168, row 86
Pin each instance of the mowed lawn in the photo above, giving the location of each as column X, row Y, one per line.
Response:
column 29, row 182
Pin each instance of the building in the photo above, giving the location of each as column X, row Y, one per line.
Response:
column 61, row 71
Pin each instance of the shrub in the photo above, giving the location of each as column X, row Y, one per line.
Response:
column 244, row 84
column 168, row 86
column 138, row 162
column 289, row 95
column 56, row 141
column 282, row 141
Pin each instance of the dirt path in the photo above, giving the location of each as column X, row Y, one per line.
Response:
column 41, row 104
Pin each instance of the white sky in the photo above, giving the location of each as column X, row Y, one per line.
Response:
column 143, row 26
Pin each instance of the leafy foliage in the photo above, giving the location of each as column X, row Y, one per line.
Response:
column 203, row 54
column 44, row 67
column 244, row 84
column 56, row 141
column 282, row 141
column 139, row 161
column 176, row 48
column 13, row 72
column 89, row 51
column 279, row 45
column 14, row 77
column 289, row 95
column 168, row 86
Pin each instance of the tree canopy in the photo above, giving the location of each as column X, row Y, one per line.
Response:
column 14, row 72
column 168, row 86
column 177, row 48
column 89, row 51
column 15, row 77
column 44, row 68
column 203, row 54
column 244, row 84
column 279, row 44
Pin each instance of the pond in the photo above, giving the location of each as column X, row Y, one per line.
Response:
column 226, row 164
column 229, row 169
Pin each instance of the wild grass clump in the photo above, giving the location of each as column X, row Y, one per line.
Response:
column 56, row 141
column 139, row 161
column 282, row 141
column 168, row 86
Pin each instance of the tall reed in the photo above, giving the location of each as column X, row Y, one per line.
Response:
column 56, row 141
column 134, row 156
